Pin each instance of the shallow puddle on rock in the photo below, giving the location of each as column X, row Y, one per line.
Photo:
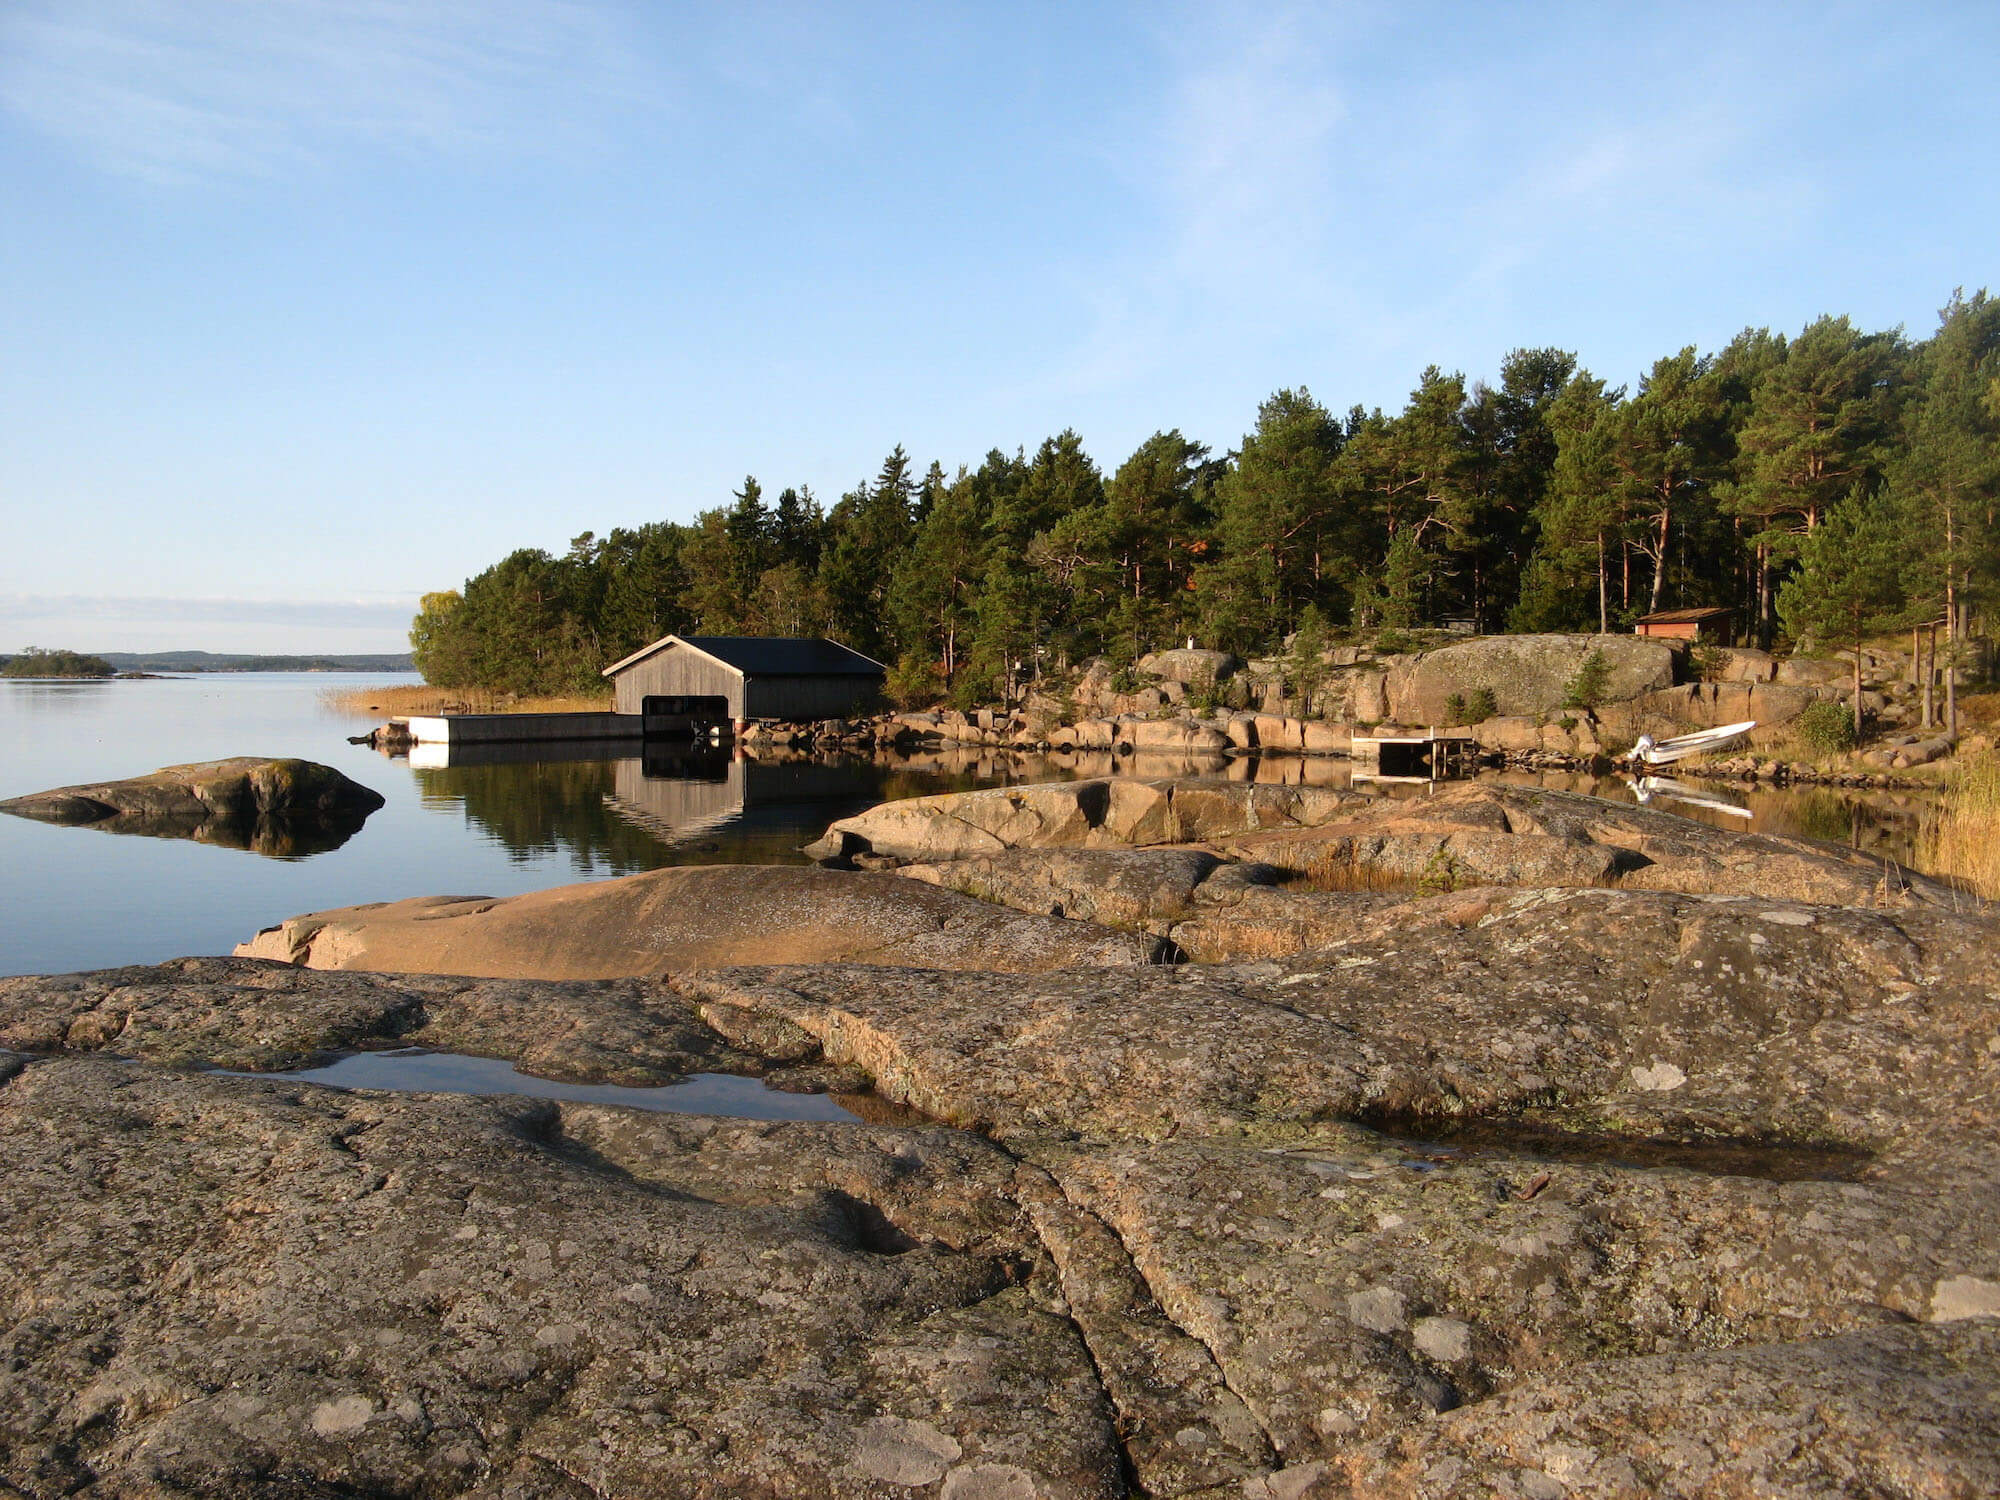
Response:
column 413, row 1070
column 1430, row 1144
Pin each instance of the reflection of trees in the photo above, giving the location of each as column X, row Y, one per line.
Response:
column 536, row 809
column 539, row 808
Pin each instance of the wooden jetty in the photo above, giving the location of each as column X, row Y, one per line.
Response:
column 1426, row 756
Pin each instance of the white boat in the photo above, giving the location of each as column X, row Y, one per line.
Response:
column 1652, row 752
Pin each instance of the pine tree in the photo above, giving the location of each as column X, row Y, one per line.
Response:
column 1846, row 587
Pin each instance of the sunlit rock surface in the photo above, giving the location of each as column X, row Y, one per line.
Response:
column 1495, row 1185
column 276, row 807
column 692, row 916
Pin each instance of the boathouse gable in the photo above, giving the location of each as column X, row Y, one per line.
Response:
column 746, row 677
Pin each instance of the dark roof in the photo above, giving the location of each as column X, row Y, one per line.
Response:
column 1682, row 616
column 767, row 656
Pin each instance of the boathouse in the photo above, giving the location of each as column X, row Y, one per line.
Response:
column 1686, row 625
column 720, row 678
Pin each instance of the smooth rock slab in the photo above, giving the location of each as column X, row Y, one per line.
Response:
column 691, row 917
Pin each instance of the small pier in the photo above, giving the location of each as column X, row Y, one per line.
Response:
column 1425, row 756
column 493, row 729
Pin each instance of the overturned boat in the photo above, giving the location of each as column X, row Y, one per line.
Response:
column 1652, row 752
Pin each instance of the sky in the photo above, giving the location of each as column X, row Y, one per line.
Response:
column 314, row 306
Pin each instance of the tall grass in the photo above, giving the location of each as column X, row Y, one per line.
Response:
column 403, row 699
column 1961, row 839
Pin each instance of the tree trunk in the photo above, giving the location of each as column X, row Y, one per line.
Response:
column 1603, row 590
column 1917, row 668
column 1660, row 561
column 1857, row 682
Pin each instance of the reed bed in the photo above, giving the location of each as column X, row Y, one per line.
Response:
column 404, row 698
column 1961, row 838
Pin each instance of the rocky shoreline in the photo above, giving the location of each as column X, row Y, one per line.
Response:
column 1268, row 1142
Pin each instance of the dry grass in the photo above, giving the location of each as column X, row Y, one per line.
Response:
column 1961, row 839
column 403, row 699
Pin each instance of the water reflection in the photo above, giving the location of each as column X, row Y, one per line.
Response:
column 718, row 805
column 57, row 695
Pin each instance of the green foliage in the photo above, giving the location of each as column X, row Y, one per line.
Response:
column 1586, row 688
column 37, row 662
column 1456, row 710
column 1442, row 873
column 1204, row 693
column 1545, row 499
column 1825, row 728
column 1846, row 587
column 1707, row 661
column 914, row 682
column 1305, row 663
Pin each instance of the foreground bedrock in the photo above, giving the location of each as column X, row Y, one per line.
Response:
column 1712, row 1213
column 688, row 916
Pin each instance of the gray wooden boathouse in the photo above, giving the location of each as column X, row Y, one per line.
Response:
column 718, row 678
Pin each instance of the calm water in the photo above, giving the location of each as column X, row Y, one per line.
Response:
column 76, row 898
column 407, row 1070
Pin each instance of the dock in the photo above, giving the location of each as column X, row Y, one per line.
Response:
column 493, row 729
column 1426, row 756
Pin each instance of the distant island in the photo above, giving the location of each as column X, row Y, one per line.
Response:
column 35, row 662
column 208, row 661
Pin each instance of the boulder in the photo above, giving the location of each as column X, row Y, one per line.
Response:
column 685, row 917
column 1492, row 833
column 1741, row 664
column 1508, row 733
column 1190, row 666
column 1173, row 736
column 1319, row 738
column 276, row 807
column 1277, row 732
column 1527, row 674
column 1093, row 814
column 1800, row 671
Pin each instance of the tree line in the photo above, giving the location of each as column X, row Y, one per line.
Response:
column 1547, row 500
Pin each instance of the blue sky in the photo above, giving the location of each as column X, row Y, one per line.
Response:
column 316, row 305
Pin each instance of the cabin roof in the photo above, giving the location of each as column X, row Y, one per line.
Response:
column 765, row 656
column 1683, row 616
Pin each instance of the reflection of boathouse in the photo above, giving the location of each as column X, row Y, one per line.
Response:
column 683, row 798
column 723, row 678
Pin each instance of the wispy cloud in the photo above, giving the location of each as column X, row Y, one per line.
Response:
column 1238, row 163
column 125, row 608
column 201, row 88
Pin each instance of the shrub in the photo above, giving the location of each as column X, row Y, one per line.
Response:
column 1825, row 728
column 1455, row 711
column 1707, row 661
column 1586, row 689
column 914, row 682
column 1441, row 874
column 1392, row 642
column 1203, row 695
column 1480, row 705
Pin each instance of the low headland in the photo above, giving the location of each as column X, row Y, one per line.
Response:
column 1227, row 1139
